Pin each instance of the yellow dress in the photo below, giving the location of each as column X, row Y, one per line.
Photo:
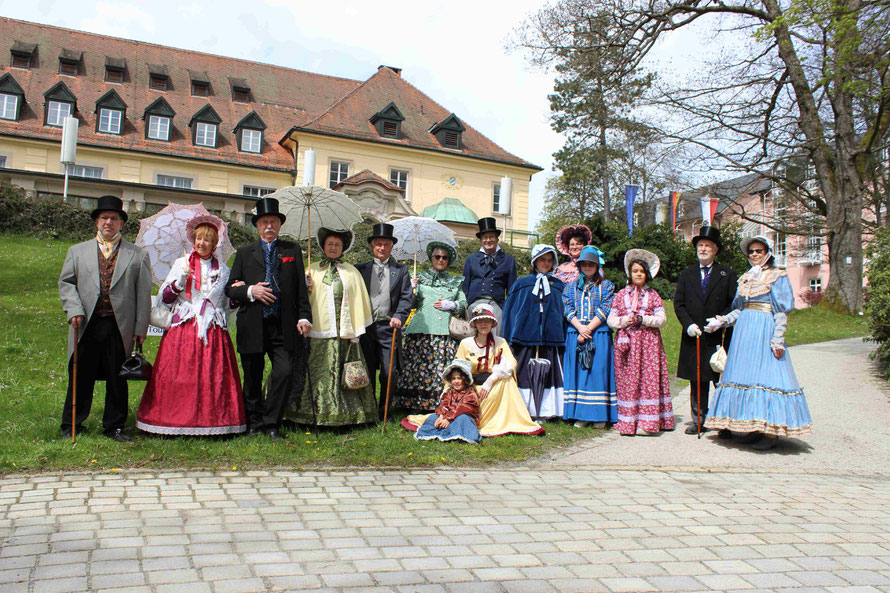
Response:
column 503, row 411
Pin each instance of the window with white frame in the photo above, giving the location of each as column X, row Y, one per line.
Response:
column 251, row 140
column 339, row 172
column 814, row 248
column 399, row 177
column 816, row 284
column 174, row 181
column 256, row 191
column 84, row 171
column 496, row 197
column 781, row 252
column 110, row 121
column 2, row 162
column 8, row 106
column 57, row 112
column 205, row 134
column 158, row 127
column 750, row 228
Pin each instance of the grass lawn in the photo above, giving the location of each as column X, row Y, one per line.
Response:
column 33, row 381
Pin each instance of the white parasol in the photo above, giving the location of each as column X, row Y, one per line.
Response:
column 414, row 235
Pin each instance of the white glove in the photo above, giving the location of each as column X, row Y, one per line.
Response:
column 414, row 283
column 448, row 305
column 693, row 331
column 183, row 278
column 713, row 325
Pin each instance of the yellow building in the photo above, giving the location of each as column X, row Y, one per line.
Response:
column 160, row 125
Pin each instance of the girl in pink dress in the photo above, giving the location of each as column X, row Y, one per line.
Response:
column 641, row 375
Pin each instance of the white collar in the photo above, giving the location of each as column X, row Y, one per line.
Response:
column 384, row 263
column 496, row 249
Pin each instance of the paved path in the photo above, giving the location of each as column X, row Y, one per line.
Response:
column 576, row 525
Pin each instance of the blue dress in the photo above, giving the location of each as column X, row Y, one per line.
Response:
column 757, row 392
column 589, row 393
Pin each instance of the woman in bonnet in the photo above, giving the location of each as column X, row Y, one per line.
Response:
column 570, row 240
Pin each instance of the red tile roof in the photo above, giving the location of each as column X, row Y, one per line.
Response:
column 284, row 98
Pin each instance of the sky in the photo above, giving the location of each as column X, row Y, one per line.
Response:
column 453, row 51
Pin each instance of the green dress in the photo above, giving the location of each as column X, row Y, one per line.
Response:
column 334, row 405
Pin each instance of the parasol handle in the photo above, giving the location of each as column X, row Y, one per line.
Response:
column 309, row 232
column 415, row 249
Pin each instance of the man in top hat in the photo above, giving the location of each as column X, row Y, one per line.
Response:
column 389, row 286
column 705, row 289
column 105, row 289
column 489, row 273
column 274, row 308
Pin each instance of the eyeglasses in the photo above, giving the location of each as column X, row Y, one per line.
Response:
column 442, row 257
column 758, row 251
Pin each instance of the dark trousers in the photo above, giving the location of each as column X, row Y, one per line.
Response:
column 266, row 413
column 100, row 354
column 376, row 346
column 693, row 401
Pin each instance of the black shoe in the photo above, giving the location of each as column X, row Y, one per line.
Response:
column 252, row 432
column 119, row 436
column 273, row 434
column 724, row 434
column 66, row 432
column 693, row 429
column 751, row 437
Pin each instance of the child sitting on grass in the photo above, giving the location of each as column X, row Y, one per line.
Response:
column 458, row 411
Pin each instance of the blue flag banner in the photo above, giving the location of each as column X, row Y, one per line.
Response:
column 630, row 195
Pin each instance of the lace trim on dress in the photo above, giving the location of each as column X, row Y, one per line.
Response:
column 749, row 287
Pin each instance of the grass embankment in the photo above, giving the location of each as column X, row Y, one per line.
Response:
column 33, row 382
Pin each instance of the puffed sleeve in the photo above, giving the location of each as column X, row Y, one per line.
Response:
column 781, row 299
column 605, row 305
column 658, row 319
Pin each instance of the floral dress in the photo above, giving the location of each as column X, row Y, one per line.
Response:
column 641, row 372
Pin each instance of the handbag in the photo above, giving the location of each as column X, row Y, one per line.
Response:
column 586, row 351
column 718, row 359
column 136, row 368
column 355, row 373
column 460, row 328
column 161, row 313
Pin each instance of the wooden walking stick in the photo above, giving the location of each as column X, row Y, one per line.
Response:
column 698, row 382
column 74, row 385
column 392, row 352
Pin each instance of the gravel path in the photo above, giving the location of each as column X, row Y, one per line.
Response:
column 849, row 403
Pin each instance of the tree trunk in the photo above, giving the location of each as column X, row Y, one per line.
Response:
column 844, row 222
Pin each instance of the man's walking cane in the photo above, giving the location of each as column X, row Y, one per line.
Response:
column 392, row 352
column 74, row 385
column 698, row 382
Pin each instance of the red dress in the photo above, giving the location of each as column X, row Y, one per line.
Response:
column 641, row 374
column 195, row 388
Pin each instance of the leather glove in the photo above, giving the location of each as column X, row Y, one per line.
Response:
column 693, row 331
column 713, row 325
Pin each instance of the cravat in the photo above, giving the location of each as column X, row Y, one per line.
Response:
column 488, row 260
column 704, row 279
column 380, row 269
column 270, row 256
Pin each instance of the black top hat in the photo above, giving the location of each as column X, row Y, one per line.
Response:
column 488, row 225
column 381, row 230
column 267, row 206
column 109, row 204
column 710, row 233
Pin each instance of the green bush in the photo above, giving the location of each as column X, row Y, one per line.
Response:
column 877, row 296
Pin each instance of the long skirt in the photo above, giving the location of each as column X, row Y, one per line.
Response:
column 540, row 379
column 590, row 393
column 325, row 401
column 195, row 389
column 757, row 392
column 420, row 383
column 644, row 389
column 462, row 428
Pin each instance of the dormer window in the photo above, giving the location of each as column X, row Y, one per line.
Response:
column 249, row 132
column 449, row 132
column 158, row 119
column 204, row 125
column 158, row 77
column 240, row 90
column 114, row 69
column 11, row 98
column 60, row 103
column 111, row 110
column 200, row 83
column 388, row 121
column 22, row 55
column 69, row 62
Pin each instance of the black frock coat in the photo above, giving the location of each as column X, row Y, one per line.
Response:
column 250, row 267
column 691, row 306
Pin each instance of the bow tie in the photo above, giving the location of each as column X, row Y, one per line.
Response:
column 542, row 284
column 488, row 260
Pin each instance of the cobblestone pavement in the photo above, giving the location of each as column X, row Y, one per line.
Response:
column 522, row 530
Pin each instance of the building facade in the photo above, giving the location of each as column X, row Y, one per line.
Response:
column 160, row 125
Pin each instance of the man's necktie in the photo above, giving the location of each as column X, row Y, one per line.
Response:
column 704, row 279
column 270, row 255
column 380, row 271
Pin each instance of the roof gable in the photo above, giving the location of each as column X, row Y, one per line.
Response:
column 206, row 114
column 451, row 123
column 159, row 107
column 251, row 121
column 390, row 112
column 60, row 92
column 9, row 86
column 111, row 100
